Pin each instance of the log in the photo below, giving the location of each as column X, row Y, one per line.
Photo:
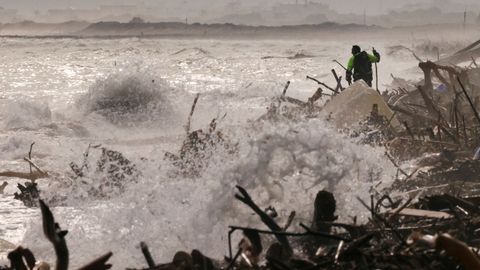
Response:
column 29, row 176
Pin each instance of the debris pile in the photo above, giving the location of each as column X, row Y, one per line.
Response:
column 434, row 121
column 430, row 226
column 437, row 232
column 198, row 147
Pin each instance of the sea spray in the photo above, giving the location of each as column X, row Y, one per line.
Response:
column 128, row 97
column 24, row 114
column 281, row 164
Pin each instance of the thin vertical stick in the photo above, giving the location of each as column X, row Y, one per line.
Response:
column 408, row 130
column 475, row 112
column 187, row 127
column 285, row 89
column 455, row 116
column 372, row 207
column 339, row 81
column 147, row 255
column 30, row 156
column 284, row 92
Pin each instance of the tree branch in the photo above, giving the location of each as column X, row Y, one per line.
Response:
column 266, row 219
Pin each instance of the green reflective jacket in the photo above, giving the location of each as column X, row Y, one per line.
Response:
column 351, row 62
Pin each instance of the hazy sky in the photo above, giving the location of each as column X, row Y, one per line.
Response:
column 343, row 6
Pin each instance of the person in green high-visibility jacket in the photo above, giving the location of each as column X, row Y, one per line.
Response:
column 360, row 65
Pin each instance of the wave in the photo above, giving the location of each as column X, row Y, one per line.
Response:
column 129, row 98
column 22, row 114
column 282, row 165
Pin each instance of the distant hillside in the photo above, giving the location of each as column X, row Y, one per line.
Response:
column 138, row 27
column 29, row 28
column 213, row 30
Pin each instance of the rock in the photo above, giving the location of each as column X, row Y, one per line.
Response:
column 354, row 105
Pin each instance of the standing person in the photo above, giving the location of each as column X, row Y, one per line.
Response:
column 361, row 65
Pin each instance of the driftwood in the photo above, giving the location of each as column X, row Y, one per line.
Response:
column 192, row 110
column 381, row 243
column 30, row 155
column 19, row 257
column 56, row 236
column 475, row 112
column 366, row 246
column 99, row 264
column 458, row 250
column 29, row 176
column 323, row 84
column 196, row 149
column 35, row 166
column 23, row 259
column 422, row 213
column 338, row 79
column 29, row 194
column 147, row 255
column 469, row 52
column 32, row 176
column 266, row 219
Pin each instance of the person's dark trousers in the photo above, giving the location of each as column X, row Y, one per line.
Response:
column 368, row 82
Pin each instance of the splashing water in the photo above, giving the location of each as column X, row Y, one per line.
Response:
column 129, row 97
column 24, row 114
column 283, row 165
column 279, row 164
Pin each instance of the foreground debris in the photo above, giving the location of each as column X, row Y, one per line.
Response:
column 199, row 146
column 437, row 232
column 398, row 236
column 435, row 121
column 23, row 259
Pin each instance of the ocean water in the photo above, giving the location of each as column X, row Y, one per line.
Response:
column 133, row 95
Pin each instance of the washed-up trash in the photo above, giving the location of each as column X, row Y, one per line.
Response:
column 441, row 88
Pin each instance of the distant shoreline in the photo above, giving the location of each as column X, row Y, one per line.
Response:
column 177, row 30
column 162, row 29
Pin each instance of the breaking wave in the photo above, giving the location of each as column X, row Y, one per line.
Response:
column 128, row 98
column 22, row 114
column 283, row 165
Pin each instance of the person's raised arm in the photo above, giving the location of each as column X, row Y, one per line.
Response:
column 375, row 58
column 350, row 64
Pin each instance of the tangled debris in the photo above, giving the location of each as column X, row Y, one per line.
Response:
column 434, row 121
column 430, row 227
column 437, row 232
column 198, row 147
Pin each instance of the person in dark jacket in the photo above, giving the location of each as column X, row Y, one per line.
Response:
column 360, row 65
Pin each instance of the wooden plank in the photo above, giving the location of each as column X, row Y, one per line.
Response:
column 421, row 213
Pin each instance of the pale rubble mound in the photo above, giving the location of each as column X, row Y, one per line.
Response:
column 354, row 104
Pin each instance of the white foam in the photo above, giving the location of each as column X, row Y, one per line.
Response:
column 283, row 165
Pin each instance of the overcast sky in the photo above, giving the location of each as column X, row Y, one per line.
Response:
column 343, row 6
